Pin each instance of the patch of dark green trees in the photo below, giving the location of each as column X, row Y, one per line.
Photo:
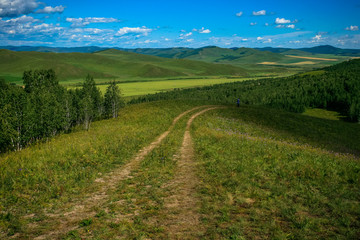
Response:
column 43, row 108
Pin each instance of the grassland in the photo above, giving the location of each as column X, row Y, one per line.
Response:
column 109, row 64
column 263, row 173
column 265, row 180
column 137, row 88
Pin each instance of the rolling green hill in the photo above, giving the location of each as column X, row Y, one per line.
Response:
column 259, row 62
column 108, row 64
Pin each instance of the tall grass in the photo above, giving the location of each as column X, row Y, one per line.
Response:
column 262, row 179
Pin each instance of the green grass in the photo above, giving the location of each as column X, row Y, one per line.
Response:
column 50, row 174
column 265, row 174
column 108, row 64
column 322, row 113
column 150, row 87
column 263, row 180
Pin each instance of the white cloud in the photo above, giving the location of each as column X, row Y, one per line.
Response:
column 140, row 30
column 267, row 24
column 352, row 28
column 291, row 26
column 22, row 19
column 239, row 14
column 268, row 41
column 253, row 24
column 317, row 38
column 286, row 26
column 80, row 22
column 48, row 9
column 259, row 13
column 151, row 41
column 282, row 21
column 259, row 38
column 14, row 8
column 202, row 30
column 183, row 35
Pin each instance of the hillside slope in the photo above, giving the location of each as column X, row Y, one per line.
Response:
column 136, row 176
column 107, row 64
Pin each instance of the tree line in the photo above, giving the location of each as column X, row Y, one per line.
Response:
column 336, row 87
column 43, row 108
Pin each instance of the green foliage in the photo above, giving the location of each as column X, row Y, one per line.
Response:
column 43, row 108
column 113, row 101
column 85, row 222
column 337, row 88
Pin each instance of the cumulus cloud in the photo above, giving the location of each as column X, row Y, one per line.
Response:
column 239, row 14
column 259, row 13
column 28, row 26
column 259, row 38
column 317, row 38
column 14, row 8
column 151, row 41
column 137, row 30
column 282, row 21
column 183, row 35
column 352, row 28
column 202, row 30
column 286, row 26
column 253, row 24
column 48, row 9
column 80, row 22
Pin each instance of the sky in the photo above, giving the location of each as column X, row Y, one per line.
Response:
column 185, row 23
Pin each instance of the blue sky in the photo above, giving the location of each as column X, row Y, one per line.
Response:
column 173, row 23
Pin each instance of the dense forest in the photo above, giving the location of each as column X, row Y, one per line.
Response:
column 42, row 108
column 336, row 87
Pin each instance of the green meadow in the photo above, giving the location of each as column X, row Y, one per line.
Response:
column 263, row 173
column 138, row 88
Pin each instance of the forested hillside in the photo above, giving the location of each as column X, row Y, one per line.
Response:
column 336, row 87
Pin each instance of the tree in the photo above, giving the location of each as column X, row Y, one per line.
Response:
column 91, row 102
column 113, row 100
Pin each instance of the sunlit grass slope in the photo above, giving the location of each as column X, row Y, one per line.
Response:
column 268, row 174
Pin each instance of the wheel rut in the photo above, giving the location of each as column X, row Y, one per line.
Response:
column 181, row 209
column 82, row 209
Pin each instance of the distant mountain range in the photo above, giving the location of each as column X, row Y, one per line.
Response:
column 188, row 52
column 324, row 49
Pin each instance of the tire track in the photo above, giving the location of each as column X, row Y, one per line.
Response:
column 82, row 209
column 181, row 209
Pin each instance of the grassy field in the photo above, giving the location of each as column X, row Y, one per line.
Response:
column 268, row 175
column 263, row 173
column 108, row 64
column 150, row 87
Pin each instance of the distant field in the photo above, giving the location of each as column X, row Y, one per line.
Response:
column 150, row 87
column 313, row 58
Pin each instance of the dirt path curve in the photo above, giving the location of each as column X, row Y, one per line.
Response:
column 84, row 208
column 182, row 208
